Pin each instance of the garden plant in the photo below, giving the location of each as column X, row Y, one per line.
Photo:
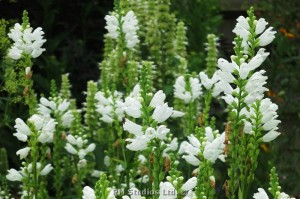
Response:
column 135, row 136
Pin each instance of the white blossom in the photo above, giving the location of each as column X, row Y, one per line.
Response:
column 26, row 41
column 46, row 170
column 139, row 143
column 158, row 99
column 190, row 184
column 181, row 92
column 88, row 193
column 267, row 37
column 23, row 152
column 206, row 81
column 162, row 113
column 167, row 191
column 14, row 175
column 261, row 194
column 132, row 127
column 129, row 27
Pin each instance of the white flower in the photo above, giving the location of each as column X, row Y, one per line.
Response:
column 90, row 148
column 260, row 26
column 206, row 82
column 38, row 121
column 62, row 107
column 26, row 41
column 46, row 170
column 96, row 173
column 132, row 127
column 107, row 161
column 70, row 149
column 191, row 159
column 47, row 131
column 112, row 25
column 162, row 113
column 283, row 195
column 88, row 193
column 190, row 184
column 119, row 168
column 214, row 149
column 110, row 107
column 22, row 127
column 270, row 136
column 172, row 146
column 23, row 152
column 67, row 119
column 14, row 175
column 181, row 92
column 142, row 159
column 130, row 27
column 139, row 143
column 267, row 37
column 132, row 107
column 261, row 194
column 158, row 99
column 176, row 114
column 144, row 179
column 167, row 191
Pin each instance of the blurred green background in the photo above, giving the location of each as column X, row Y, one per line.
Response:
column 74, row 31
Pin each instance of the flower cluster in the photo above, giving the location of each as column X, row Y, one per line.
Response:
column 26, row 41
column 261, row 194
column 44, row 128
column 77, row 146
column 14, row 175
column 127, row 25
column 57, row 106
column 187, row 90
column 242, row 29
column 110, row 107
column 211, row 148
column 269, row 122
column 160, row 114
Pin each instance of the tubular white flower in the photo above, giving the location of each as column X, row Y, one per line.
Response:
column 26, row 41
column 47, row 131
column 191, row 159
column 139, row 143
column 132, row 107
column 267, row 37
column 176, row 114
column 158, row 99
column 22, row 127
column 112, row 26
column 132, row 127
column 130, row 28
column 190, row 184
column 88, row 193
column 14, row 175
column 261, row 194
column 90, row 148
column 206, row 82
column 260, row 26
column 270, row 136
column 162, row 113
column 214, row 149
column 23, row 153
column 46, row 170
column 107, row 161
column 180, row 91
column 167, row 191
column 70, row 149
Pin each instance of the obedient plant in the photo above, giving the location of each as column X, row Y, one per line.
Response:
column 127, row 140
